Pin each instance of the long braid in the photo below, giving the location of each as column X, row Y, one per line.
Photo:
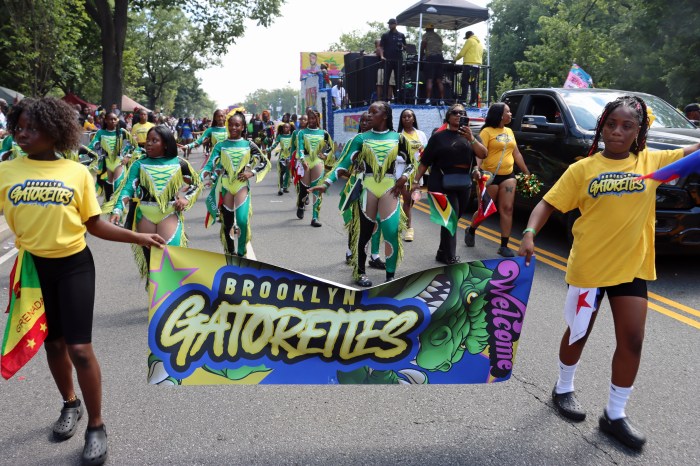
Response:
column 639, row 107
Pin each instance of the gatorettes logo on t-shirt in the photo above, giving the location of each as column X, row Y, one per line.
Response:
column 42, row 192
column 617, row 183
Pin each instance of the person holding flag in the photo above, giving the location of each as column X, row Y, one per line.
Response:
column 612, row 252
column 448, row 153
column 49, row 203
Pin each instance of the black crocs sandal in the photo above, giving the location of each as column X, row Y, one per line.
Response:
column 67, row 422
column 95, row 450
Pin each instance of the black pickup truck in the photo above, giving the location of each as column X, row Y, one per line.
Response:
column 554, row 128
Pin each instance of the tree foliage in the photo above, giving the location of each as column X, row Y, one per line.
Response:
column 639, row 45
column 263, row 99
column 33, row 34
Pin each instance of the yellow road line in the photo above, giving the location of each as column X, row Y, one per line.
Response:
column 559, row 263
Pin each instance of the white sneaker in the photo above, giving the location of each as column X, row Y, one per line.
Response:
column 408, row 236
column 427, row 101
column 442, row 103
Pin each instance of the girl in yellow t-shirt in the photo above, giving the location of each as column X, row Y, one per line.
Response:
column 417, row 139
column 613, row 252
column 502, row 155
column 49, row 203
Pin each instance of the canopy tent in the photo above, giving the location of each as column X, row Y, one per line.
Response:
column 443, row 14
column 75, row 100
column 128, row 105
column 9, row 95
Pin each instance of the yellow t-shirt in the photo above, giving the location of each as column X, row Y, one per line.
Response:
column 140, row 131
column 46, row 204
column 614, row 237
column 495, row 140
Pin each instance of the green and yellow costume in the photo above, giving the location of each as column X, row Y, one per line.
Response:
column 153, row 186
column 232, row 157
column 215, row 134
column 314, row 146
column 285, row 143
column 111, row 148
column 371, row 157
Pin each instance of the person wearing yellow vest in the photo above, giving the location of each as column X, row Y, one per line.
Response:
column 472, row 57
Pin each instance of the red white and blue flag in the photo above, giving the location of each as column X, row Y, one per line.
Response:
column 485, row 204
column 686, row 166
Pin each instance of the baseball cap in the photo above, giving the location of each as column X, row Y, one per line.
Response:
column 391, row 21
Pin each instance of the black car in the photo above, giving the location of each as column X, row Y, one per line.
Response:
column 555, row 127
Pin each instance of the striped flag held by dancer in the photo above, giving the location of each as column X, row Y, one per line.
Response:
column 686, row 166
column 441, row 211
column 26, row 327
column 485, row 204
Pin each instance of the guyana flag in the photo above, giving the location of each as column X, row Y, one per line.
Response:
column 26, row 326
column 441, row 212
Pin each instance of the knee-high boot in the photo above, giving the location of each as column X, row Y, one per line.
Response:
column 301, row 198
column 227, row 220
column 367, row 227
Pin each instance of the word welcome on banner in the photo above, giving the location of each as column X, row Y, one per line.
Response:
column 215, row 319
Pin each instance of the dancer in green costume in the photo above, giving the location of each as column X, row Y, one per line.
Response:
column 238, row 159
column 154, row 185
column 113, row 147
column 284, row 140
column 372, row 158
column 314, row 144
column 216, row 133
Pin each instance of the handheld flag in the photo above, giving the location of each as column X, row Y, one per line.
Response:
column 441, row 212
column 687, row 165
column 485, row 205
column 578, row 78
column 26, row 326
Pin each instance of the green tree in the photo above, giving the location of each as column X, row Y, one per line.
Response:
column 359, row 39
column 172, row 50
column 221, row 21
column 263, row 99
column 33, row 34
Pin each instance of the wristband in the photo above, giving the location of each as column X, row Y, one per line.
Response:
column 472, row 142
column 531, row 230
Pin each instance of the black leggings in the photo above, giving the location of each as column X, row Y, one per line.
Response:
column 448, row 241
column 68, row 287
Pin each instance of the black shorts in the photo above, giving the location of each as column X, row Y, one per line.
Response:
column 498, row 179
column 434, row 67
column 68, row 287
column 636, row 287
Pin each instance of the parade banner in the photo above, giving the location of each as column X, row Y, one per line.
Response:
column 216, row 319
column 310, row 63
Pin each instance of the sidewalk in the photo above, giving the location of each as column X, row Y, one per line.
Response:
column 5, row 232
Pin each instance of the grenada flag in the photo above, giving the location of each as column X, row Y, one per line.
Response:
column 26, row 327
column 441, row 212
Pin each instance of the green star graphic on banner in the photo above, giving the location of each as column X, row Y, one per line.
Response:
column 167, row 278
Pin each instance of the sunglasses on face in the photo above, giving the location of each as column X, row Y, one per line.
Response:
column 458, row 112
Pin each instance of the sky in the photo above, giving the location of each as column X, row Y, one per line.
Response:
column 268, row 58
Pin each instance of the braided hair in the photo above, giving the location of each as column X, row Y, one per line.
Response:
column 638, row 106
column 386, row 108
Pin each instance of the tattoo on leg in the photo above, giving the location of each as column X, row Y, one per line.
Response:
column 509, row 189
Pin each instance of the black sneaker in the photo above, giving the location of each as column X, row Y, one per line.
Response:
column 568, row 406
column 453, row 260
column 279, row 193
column 348, row 257
column 300, row 212
column 623, row 431
column 377, row 263
column 315, row 222
column 469, row 238
column 363, row 281
column 389, row 277
column 285, row 190
column 505, row 252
